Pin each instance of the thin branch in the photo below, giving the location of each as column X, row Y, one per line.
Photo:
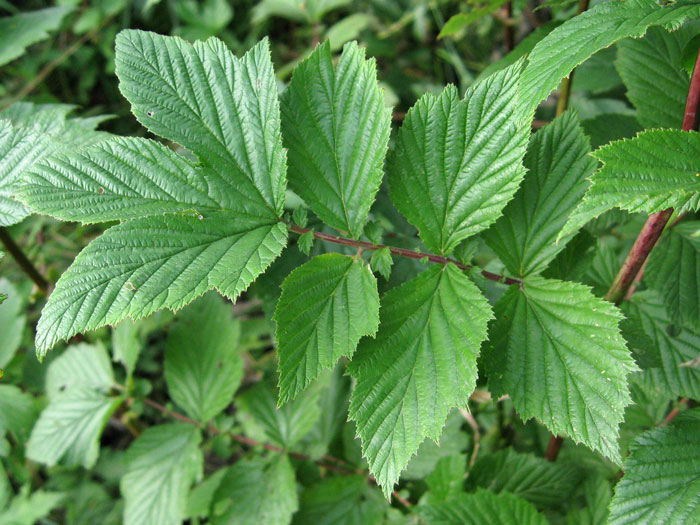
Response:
column 471, row 421
column 553, row 448
column 401, row 252
column 22, row 261
column 674, row 412
column 565, row 91
column 508, row 30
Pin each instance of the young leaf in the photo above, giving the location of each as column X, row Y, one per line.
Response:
column 483, row 507
column 534, row 479
column 202, row 366
column 160, row 467
column 69, row 428
column 144, row 265
column 257, row 491
column 674, row 271
column 336, row 129
column 674, row 349
column 458, row 162
column 657, row 169
column 558, row 165
column 557, row 351
column 421, row 364
column 584, row 35
column 661, row 483
column 651, row 70
column 382, row 262
column 326, row 306
column 24, row 29
column 223, row 109
column 343, row 500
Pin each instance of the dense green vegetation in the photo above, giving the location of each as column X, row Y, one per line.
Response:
column 349, row 261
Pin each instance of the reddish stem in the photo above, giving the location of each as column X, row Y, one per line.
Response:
column 401, row 252
column 553, row 448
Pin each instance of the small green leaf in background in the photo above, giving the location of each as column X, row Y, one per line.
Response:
column 336, row 129
column 284, row 426
column 657, row 169
column 326, row 306
column 343, row 500
column 257, row 491
column 483, row 507
column 203, row 367
column 446, row 481
column 558, row 165
column 29, row 508
column 597, row 493
column 24, row 29
column 651, row 69
column 421, row 364
column 673, row 270
column 458, row 162
column 160, row 468
column 69, row 428
column 17, row 413
column 556, row 349
column 534, row 479
column 12, row 321
column 661, row 482
column 459, row 21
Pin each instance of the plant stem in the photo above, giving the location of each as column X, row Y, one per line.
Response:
column 553, row 448
column 654, row 227
column 22, row 261
column 565, row 92
column 508, row 32
column 401, row 252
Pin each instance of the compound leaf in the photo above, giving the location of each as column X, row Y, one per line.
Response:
column 160, row 467
column 657, row 169
column 482, row 507
column 421, row 364
column 458, row 162
column 661, row 482
column 570, row 44
column 558, row 165
column 202, row 365
column 326, row 306
column 336, row 128
column 557, row 351
column 145, row 265
column 223, row 109
column 674, row 271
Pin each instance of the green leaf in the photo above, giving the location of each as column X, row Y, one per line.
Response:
column 584, row 35
column 458, row 162
column 28, row 509
column 160, row 467
column 344, row 500
column 326, row 306
column 200, row 498
column 12, row 321
column 24, row 29
column 558, row 166
column 557, row 351
column 597, row 494
column 534, row 479
column 609, row 127
column 446, row 481
column 202, row 365
column 651, row 70
column 657, row 169
column 69, row 428
column 284, row 426
column 257, row 491
column 661, row 482
column 382, row 262
column 421, row 364
column 674, row 347
column 145, row 265
column 459, row 21
column 223, row 109
column 482, row 507
column 120, row 179
column 17, row 412
column 674, row 271
column 336, row 129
